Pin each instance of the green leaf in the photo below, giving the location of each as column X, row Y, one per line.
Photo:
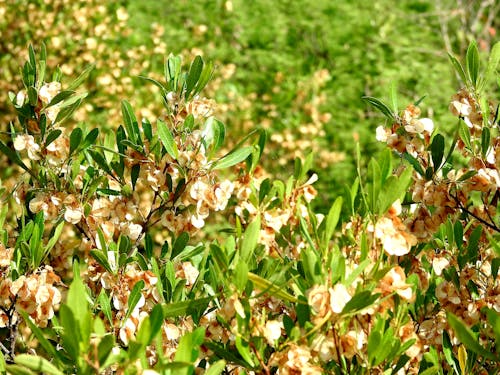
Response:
column 39, row 334
column 448, row 351
column 381, row 106
column 241, row 275
column 90, row 138
column 216, row 368
column 67, row 110
column 74, row 139
column 156, row 321
column 52, row 136
column 54, row 237
column 183, row 308
column 356, row 272
column 31, row 53
column 233, row 157
column 18, row 370
column 12, row 155
column 495, row 265
column 373, row 345
column 102, row 259
column 104, row 348
column 134, row 174
column 458, row 234
column 172, row 72
column 214, row 134
column 82, row 77
column 32, row 96
column 193, row 75
column 78, row 304
column 266, row 286
column 162, row 87
column 473, row 244
column 71, row 336
column 485, row 140
column 244, row 350
column 394, row 188
column 39, row 364
column 100, row 161
column 394, row 96
column 131, row 124
column 179, row 244
column 250, row 239
column 167, row 139
column 105, row 304
column 437, row 151
column 134, row 297
column 466, row 336
column 493, row 61
column 188, row 348
column 332, row 220
column 205, row 76
column 360, row 301
column 458, row 68
column 222, row 351
column 3, row 369
column 414, row 163
column 494, row 320
column 72, row 99
column 472, row 58
column 62, row 95
column 467, row 175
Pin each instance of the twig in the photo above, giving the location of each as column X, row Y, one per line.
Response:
column 482, row 221
column 262, row 363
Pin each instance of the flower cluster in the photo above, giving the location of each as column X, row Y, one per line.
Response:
column 275, row 213
column 37, row 294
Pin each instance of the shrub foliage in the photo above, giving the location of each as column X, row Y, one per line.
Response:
column 158, row 249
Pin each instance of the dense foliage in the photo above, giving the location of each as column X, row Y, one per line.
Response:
column 145, row 227
column 408, row 284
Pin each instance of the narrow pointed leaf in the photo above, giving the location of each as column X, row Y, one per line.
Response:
column 233, row 158
column 39, row 364
column 167, row 139
column 82, row 77
column 381, row 106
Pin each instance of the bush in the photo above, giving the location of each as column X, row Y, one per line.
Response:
column 154, row 249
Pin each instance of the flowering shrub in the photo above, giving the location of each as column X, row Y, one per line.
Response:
column 107, row 265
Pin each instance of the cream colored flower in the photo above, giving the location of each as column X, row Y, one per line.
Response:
column 201, row 107
column 381, row 134
column 339, row 296
column 272, row 331
column 189, row 272
column 197, row 221
column 395, row 281
column 52, row 112
column 395, row 240
column 439, row 264
column 171, row 331
column 20, row 142
column 318, row 297
column 419, row 126
column 21, row 98
column 133, row 231
column 48, row 91
column 73, row 215
column 5, row 255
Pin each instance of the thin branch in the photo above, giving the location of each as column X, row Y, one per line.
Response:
column 482, row 221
